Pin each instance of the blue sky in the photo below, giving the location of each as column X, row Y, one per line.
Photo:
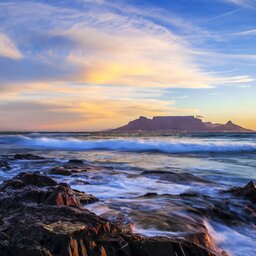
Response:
column 92, row 65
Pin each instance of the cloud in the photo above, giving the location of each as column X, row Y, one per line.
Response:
column 249, row 32
column 90, row 114
column 31, row 115
column 83, row 65
column 8, row 48
column 133, row 57
column 244, row 3
column 93, row 108
column 105, row 44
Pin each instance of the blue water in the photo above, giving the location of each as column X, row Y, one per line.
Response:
column 223, row 160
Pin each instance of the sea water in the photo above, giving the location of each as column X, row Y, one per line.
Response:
column 122, row 176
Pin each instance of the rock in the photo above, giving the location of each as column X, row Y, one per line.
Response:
column 247, row 192
column 85, row 198
column 150, row 194
column 232, row 212
column 42, row 218
column 176, row 177
column 60, row 171
column 162, row 246
column 76, row 161
column 4, row 166
column 66, row 170
column 27, row 157
column 36, row 179
column 39, row 189
column 80, row 182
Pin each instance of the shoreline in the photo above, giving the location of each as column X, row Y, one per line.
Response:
column 185, row 214
column 47, row 218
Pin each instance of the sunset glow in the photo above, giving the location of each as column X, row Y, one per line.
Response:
column 88, row 65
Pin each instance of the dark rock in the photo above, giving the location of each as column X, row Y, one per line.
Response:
column 39, row 189
column 191, row 194
column 66, row 170
column 27, row 157
column 4, row 166
column 162, row 246
column 174, row 176
column 41, row 218
column 247, row 192
column 80, row 182
column 180, row 196
column 36, row 179
column 150, row 194
column 60, row 171
column 76, row 161
column 231, row 212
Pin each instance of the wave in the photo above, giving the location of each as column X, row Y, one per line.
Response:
column 163, row 145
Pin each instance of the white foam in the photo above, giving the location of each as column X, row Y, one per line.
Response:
column 234, row 242
column 171, row 145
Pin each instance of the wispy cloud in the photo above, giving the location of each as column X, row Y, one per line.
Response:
column 250, row 32
column 107, row 44
column 102, row 60
column 8, row 48
column 244, row 3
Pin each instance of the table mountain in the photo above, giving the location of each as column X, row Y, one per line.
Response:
column 177, row 123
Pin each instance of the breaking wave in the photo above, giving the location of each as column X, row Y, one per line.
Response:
column 164, row 145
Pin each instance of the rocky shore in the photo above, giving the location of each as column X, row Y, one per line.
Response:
column 40, row 217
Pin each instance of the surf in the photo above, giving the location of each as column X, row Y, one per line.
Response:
column 160, row 144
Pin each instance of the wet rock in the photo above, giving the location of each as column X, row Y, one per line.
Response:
column 76, row 161
column 4, row 166
column 176, row 177
column 191, row 194
column 80, row 182
column 85, row 198
column 231, row 212
column 162, row 246
column 150, row 194
column 39, row 189
column 60, row 171
column 42, row 218
column 27, row 157
column 179, row 196
column 36, row 179
column 66, row 170
column 247, row 192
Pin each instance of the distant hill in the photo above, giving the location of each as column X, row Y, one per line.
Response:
column 177, row 123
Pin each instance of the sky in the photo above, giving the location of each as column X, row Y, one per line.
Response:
column 83, row 65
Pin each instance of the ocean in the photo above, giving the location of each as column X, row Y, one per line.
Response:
column 156, row 184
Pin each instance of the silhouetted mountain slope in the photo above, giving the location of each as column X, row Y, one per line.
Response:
column 177, row 123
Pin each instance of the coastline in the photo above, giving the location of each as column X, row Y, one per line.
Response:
column 55, row 223
column 157, row 200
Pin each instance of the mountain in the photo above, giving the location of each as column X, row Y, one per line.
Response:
column 177, row 123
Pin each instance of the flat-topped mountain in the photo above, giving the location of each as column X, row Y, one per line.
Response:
column 177, row 123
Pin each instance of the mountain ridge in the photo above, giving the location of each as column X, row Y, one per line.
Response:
column 178, row 123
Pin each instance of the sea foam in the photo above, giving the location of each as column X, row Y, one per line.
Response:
column 161, row 144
